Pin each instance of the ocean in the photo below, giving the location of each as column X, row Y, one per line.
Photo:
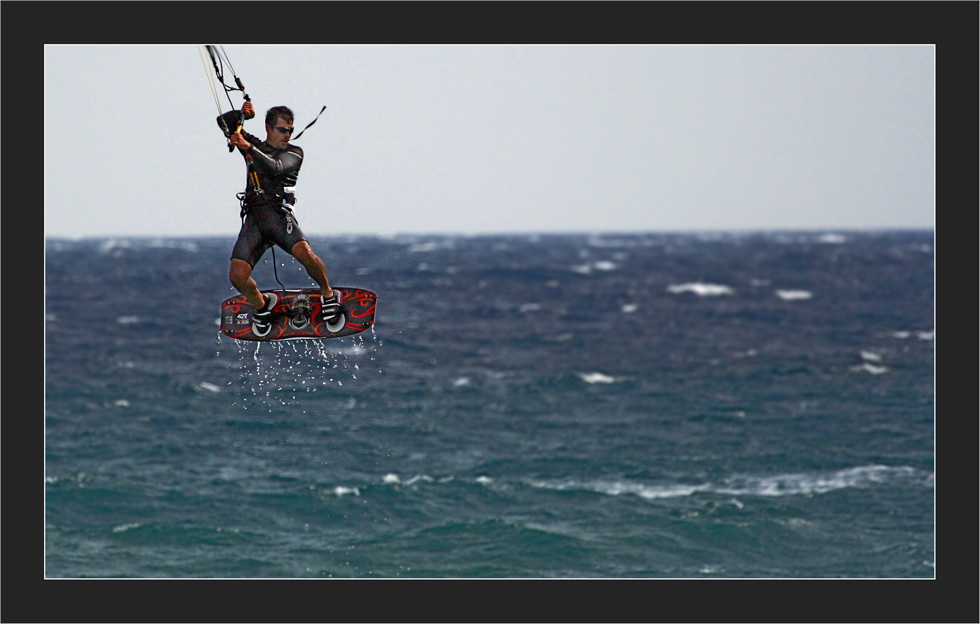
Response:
column 610, row 406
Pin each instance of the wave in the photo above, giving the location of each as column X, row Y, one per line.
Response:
column 780, row 485
column 804, row 484
column 617, row 488
column 794, row 295
column 391, row 479
column 113, row 246
column 168, row 243
column 126, row 527
column 870, row 368
column 426, row 246
column 831, row 239
column 598, row 265
column 921, row 335
column 701, row 289
column 774, row 485
column 594, row 378
column 827, row 238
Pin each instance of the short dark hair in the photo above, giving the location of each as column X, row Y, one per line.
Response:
column 276, row 112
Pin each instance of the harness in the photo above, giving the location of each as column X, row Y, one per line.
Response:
column 283, row 201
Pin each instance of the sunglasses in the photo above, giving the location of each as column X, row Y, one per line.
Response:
column 285, row 130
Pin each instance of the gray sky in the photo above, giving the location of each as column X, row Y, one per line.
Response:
column 474, row 139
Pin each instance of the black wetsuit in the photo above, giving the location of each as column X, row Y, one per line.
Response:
column 267, row 206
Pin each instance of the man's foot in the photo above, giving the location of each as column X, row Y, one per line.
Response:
column 332, row 313
column 262, row 319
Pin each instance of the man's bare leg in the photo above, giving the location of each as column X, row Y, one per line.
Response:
column 313, row 265
column 240, row 275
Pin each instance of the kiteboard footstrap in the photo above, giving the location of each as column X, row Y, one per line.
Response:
column 331, row 309
column 262, row 319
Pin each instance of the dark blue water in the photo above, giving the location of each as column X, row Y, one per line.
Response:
column 616, row 406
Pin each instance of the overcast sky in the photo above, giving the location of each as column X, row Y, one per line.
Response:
column 475, row 139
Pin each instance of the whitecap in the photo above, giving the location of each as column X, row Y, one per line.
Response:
column 598, row 265
column 644, row 491
column 183, row 245
column 210, row 387
column 125, row 527
column 921, row 335
column 113, row 244
column 344, row 491
column 593, row 378
column 795, row 484
column 461, row 381
column 671, row 491
column 806, row 484
column 871, row 368
column 393, row 479
column 598, row 241
column 831, row 239
column 431, row 246
column 701, row 289
column 794, row 295
column 128, row 320
column 629, row 308
column 870, row 356
column 121, row 403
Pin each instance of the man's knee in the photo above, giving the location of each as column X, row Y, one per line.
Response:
column 239, row 272
column 302, row 252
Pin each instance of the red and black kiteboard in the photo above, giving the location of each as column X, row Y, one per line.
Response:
column 297, row 315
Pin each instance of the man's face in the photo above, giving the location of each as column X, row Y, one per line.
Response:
column 279, row 133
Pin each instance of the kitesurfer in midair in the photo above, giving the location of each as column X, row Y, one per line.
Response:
column 268, row 219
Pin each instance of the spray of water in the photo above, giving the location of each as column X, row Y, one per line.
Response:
column 270, row 374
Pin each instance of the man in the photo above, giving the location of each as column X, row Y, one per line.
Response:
column 267, row 208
